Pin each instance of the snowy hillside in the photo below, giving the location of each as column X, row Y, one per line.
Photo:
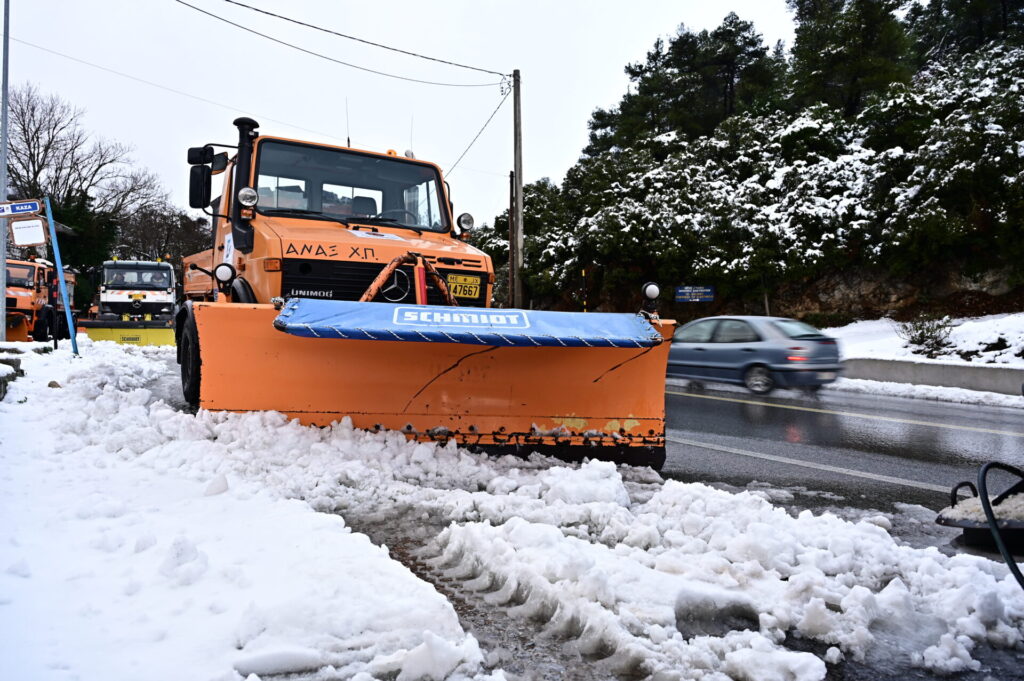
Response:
column 146, row 543
column 921, row 189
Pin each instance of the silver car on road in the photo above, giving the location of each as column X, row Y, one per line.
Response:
column 761, row 353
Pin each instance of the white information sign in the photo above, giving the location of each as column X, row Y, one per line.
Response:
column 28, row 232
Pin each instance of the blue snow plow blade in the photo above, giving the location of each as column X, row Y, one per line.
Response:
column 341, row 319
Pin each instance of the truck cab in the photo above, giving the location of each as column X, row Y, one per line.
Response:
column 34, row 307
column 303, row 220
column 135, row 290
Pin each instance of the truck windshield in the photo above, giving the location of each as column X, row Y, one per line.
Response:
column 123, row 277
column 349, row 186
column 20, row 275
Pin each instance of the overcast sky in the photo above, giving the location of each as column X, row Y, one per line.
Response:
column 571, row 54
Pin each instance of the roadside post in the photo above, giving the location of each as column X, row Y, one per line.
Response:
column 72, row 331
column 26, row 228
column 3, row 171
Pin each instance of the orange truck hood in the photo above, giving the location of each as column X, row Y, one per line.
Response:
column 320, row 239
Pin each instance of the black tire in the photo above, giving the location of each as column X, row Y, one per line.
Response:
column 44, row 325
column 241, row 292
column 191, row 364
column 758, row 380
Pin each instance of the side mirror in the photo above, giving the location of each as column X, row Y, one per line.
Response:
column 197, row 155
column 199, row 186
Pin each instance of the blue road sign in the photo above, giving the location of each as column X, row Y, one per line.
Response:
column 695, row 294
column 19, row 208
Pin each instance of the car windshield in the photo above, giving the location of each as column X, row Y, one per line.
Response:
column 20, row 275
column 348, row 186
column 127, row 277
column 796, row 329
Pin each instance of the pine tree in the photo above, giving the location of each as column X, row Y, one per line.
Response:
column 690, row 85
column 944, row 28
column 847, row 50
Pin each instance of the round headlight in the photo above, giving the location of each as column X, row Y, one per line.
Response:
column 224, row 272
column 465, row 222
column 248, row 197
column 651, row 290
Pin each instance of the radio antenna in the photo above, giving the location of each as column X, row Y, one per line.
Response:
column 348, row 132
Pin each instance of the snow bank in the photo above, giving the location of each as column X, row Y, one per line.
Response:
column 926, row 392
column 877, row 339
column 123, row 557
column 143, row 535
column 907, row 390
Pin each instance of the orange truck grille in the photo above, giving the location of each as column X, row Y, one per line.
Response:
column 343, row 280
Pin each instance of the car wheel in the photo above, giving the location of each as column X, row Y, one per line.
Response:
column 758, row 380
column 190, row 362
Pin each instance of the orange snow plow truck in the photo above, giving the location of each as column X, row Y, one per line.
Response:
column 35, row 310
column 339, row 285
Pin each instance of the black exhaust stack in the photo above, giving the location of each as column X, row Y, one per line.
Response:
column 241, row 231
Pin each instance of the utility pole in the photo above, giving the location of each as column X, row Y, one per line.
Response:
column 516, row 253
column 3, row 177
column 510, row 300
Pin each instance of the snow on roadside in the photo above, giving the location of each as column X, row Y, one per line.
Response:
column 116, row 566
column 907, row 390
column 926, row 392
column 877, row 339
column 669, row 580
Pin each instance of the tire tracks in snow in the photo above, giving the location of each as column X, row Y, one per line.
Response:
column 524, row 647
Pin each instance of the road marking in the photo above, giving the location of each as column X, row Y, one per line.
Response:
column 809, row 464
column 861, row 415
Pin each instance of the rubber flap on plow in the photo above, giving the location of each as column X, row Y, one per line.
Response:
column 515, row 381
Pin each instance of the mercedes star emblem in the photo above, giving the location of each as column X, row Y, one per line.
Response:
column 397, row 287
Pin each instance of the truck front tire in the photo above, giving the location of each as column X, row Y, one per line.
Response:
column 44, row 325
column 191, row 364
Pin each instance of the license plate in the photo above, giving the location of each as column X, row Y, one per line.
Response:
column 826, row 375
column 138, row 296
column 463, row 286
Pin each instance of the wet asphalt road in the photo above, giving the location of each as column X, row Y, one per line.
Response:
column 853, row 455
column 888, row 449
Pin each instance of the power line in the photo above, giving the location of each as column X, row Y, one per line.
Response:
column 455, row 165
column 331, row 59
column 181, row 93
column 364, row 41
column 169, row 89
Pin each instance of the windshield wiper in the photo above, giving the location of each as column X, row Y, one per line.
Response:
column 314, row 214
column 387, row 221
column 348, row 221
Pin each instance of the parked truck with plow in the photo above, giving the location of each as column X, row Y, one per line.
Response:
column 35, row 310
column 338, row 284
column 134, row 303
